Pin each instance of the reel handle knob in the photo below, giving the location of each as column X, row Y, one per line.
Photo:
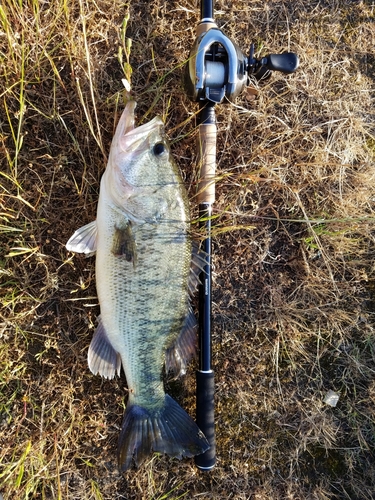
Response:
column 285, row 63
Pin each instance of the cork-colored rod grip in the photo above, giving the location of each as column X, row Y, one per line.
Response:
column 207, row 163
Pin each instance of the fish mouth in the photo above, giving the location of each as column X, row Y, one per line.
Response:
column 127, row 136
column 126, row 123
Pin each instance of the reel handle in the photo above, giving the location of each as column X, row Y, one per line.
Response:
column 261, row 69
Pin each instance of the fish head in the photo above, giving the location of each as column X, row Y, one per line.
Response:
column 139, row 161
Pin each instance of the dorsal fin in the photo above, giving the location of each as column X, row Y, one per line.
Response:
column 198, row 261
column 184, row 347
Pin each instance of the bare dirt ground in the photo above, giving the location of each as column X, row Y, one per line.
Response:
column 293, row 304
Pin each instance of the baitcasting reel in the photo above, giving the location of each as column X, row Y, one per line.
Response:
column 217, row 68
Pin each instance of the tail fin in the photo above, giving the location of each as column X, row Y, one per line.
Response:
column 168, row 430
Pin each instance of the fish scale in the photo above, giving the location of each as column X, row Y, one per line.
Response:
column 143, row 261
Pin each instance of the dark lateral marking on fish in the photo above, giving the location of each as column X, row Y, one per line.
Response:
column 124, row 245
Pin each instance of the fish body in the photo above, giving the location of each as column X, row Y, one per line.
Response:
column 143, row 274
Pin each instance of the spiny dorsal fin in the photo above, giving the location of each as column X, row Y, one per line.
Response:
column 198, row 261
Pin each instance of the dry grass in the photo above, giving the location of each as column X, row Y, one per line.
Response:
column 294, row 248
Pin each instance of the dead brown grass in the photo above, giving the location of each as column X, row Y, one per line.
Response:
column 294, row 248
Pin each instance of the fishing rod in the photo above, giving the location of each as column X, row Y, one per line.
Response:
column 216, row 72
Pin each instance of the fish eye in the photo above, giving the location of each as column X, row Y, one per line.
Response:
column 158, row 149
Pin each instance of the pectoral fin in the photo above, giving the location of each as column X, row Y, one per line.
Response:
column 84, row 240
column 102, row 357
column 124, row 245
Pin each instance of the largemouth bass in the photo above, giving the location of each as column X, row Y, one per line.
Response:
column 143, row 275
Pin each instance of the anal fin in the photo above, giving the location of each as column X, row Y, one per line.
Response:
column 102, row 357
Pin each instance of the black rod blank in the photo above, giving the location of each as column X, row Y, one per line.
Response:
column 207, row 9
